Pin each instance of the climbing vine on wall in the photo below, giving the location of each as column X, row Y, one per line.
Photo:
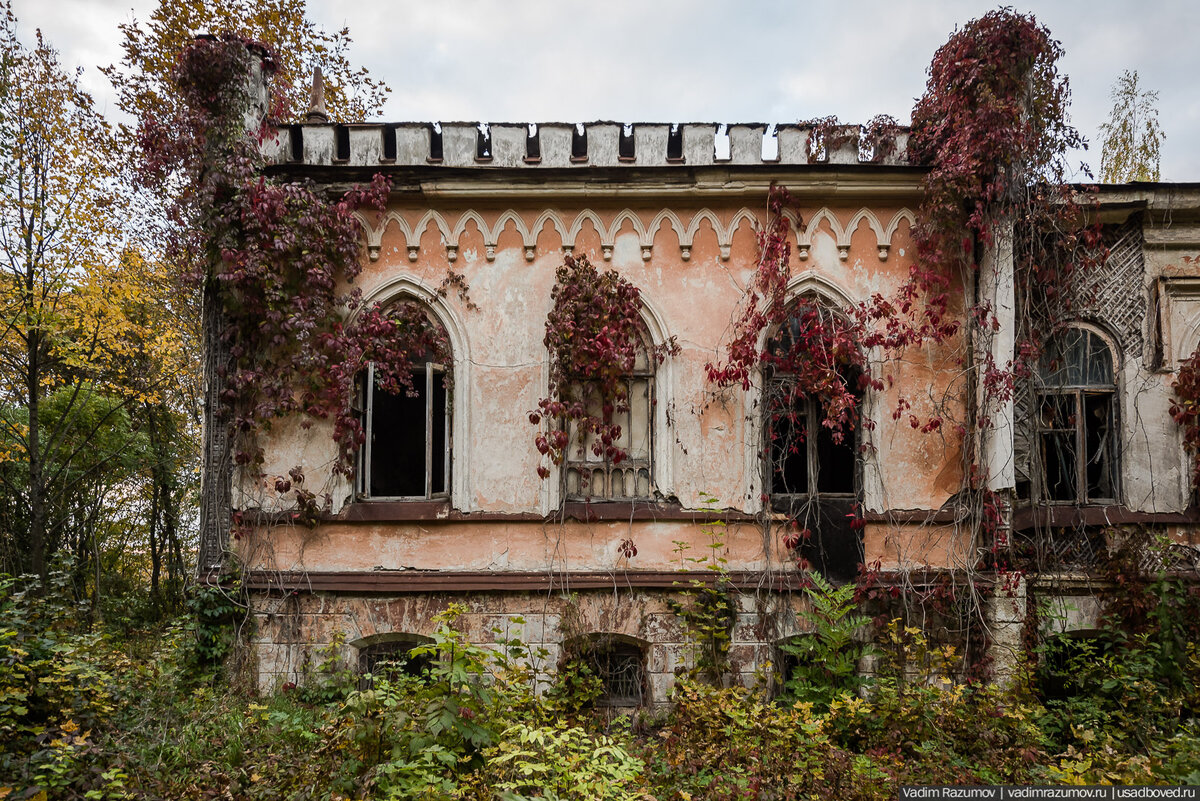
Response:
column 876, row 139
column 279, row 259
column 1185, row 409
column 992, row 125
column 993, row 130
column 593, row 335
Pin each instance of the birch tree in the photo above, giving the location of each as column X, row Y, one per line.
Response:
column 1132, row 136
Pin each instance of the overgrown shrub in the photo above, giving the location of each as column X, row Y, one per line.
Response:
column 58, row 685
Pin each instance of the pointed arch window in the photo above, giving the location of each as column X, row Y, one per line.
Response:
column 1076, row 419
column 591, row 473
column 408, row 419
column 808, row 454
column 811, row 408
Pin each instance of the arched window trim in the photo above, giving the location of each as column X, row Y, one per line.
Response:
column 813, row 414
column 822, row 512
column 1063, row 413
column 812, row 284
column 405, row 288
column 653, row 329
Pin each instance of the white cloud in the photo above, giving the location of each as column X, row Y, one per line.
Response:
column 716, row 60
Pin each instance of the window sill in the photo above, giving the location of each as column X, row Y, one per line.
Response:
column 379, row 511
column 1048, row 515
column 600, row 511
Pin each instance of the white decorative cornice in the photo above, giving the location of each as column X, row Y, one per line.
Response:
column 568, row 233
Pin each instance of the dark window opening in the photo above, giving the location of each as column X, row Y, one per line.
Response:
column 811, row 468
column 1076, row 420
column 620, row 666
column 297, row 142
column 342, row 136
column 625, row 146
column 408, row 437
column 675, row 143
column 789, row 450
column 435, row 142
column 391, row 660
column 389, row 143
column 579, row 143
column 533, row 144
column 483, row 142
column 1066, row 664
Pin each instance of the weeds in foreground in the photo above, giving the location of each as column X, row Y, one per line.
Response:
column 80, row 719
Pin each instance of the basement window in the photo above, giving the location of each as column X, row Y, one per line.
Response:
column 392, row 658
column 619, row 663
column 1076, row 412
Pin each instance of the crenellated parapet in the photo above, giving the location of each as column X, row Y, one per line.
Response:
column 566, row 145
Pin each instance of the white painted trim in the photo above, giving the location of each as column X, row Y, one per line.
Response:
column 465, row 399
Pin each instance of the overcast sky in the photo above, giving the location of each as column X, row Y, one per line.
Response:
column 699, row 60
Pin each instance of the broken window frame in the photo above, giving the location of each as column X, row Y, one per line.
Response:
column 619, row 662
column 1080, row 395
column 424, row 374
column 391, row 655
column 582, row 467
column 826, row 508
column 809, row 412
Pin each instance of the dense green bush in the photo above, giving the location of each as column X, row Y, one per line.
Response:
column 80, row 718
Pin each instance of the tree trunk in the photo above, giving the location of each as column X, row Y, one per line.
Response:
column 216, row 483
column 37, row 491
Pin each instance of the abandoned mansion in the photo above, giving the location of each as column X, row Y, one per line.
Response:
column 658, row 357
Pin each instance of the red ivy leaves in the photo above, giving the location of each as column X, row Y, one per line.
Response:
column 992, row 127
column 593, row 336
column 764, row 305
column 280, row 256
column 1185, row 409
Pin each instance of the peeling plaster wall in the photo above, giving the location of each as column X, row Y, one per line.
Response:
column 706, row 440
column 296, row 633
column 682, row 231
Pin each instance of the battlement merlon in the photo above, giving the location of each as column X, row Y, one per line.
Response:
column 554, row 145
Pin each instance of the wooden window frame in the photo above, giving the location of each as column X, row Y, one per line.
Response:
column 1078, row 393
column 584, row 465
column 432, row 371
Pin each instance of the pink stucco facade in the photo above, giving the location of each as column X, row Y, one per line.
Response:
column 681, row 227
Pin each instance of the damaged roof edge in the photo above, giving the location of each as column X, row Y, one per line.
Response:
column 573, row 145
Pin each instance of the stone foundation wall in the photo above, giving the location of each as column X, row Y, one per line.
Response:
column 296, row 633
